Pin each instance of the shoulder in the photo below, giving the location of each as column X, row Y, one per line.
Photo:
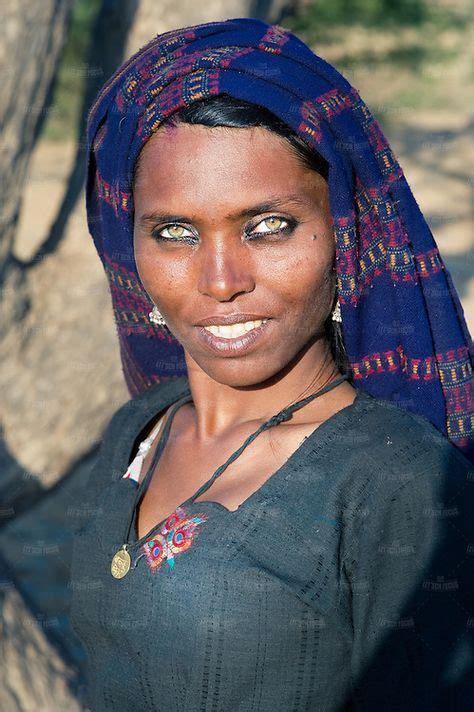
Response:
column 403, row 476
column 134, row 412
column 405, row 482
column 381, row 458
column 124, row 429
column 156, row 394
column 392, row 439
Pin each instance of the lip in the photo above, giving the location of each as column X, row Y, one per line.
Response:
column 237, row 345
column 224, row 319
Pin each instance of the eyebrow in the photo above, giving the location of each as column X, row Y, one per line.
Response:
column 267, row 205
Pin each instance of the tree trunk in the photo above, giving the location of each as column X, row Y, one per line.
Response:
column 153, row 17
column 32, row 35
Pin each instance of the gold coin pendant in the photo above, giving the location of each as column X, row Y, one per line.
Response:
column 121, row 563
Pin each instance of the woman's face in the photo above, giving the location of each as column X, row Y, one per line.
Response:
column 229, row 221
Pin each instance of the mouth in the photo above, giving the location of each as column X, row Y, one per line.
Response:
column 234, row 339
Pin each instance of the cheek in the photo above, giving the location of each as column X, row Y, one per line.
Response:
column 160, row 277
column 142, row 254
column 307, row 275
column 149, row 267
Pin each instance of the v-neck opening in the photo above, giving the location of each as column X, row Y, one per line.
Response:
column 151, row 414
column 317, row 434
column 133, row 537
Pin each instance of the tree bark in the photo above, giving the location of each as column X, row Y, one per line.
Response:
column 32, row 35
column 153, row 18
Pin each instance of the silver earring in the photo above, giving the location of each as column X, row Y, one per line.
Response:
column 336, row 313
column 156, row 317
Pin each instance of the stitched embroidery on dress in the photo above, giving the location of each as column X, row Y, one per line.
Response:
column 176, row 535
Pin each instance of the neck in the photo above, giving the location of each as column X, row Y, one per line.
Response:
column 218, row 408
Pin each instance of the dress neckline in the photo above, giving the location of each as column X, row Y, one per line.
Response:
column 319, row 433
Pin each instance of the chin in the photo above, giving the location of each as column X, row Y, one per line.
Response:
column 237, row 373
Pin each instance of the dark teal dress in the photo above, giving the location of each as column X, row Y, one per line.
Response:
column 345, row 582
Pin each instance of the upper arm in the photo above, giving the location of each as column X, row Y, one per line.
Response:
column 410, row 572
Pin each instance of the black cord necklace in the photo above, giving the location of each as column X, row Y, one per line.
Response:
column 121, row 562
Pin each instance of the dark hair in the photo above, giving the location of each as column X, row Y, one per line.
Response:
column 225, row 110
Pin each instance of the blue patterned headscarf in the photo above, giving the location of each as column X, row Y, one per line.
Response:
column 402, row 322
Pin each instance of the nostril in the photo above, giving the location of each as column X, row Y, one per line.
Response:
column 225, row 279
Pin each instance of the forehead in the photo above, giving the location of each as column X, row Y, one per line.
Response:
column 175, row 158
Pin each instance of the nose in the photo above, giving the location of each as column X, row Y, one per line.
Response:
column 225, row 271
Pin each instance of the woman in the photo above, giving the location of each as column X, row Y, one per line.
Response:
column 283, row 519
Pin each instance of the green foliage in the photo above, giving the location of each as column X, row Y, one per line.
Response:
column 365, row 12
column 73, row 70
column 84, row 14
column 332, row 22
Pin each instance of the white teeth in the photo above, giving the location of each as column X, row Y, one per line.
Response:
column 231, row 331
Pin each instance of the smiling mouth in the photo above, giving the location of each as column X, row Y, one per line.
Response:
column 236, row 339
column 233, row 331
